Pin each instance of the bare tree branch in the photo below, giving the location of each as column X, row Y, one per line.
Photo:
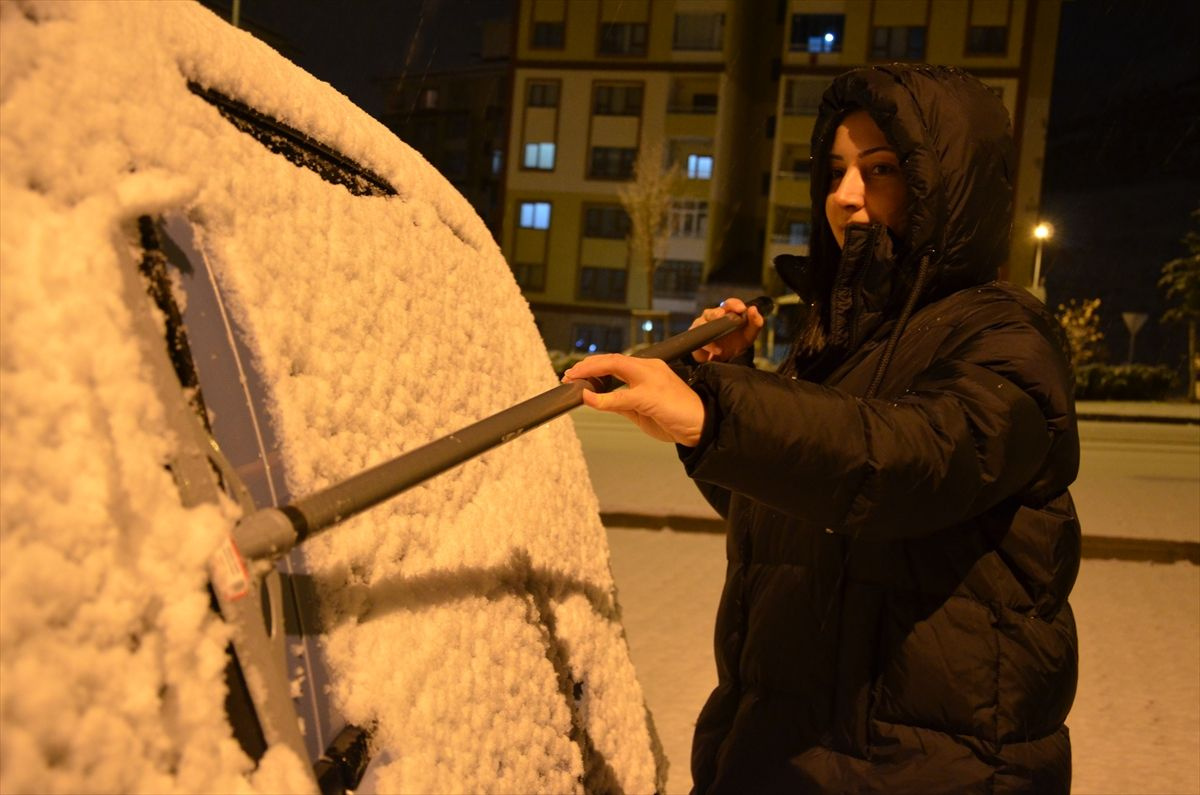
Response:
column 647, row 200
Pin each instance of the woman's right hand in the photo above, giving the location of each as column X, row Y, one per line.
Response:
column 734, row 343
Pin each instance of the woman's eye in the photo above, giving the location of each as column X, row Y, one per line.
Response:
column 884, row 170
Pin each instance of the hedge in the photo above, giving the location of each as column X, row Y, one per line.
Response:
column 1123, row 382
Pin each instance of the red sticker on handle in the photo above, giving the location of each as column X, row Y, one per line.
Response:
column 228, row 572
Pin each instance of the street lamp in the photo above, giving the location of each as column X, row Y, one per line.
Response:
column 1042, row 232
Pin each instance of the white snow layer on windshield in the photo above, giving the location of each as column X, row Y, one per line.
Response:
column 456, row 611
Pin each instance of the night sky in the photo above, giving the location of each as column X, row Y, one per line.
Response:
column 1123, row 161
column 356, row 45
column 1122, row 169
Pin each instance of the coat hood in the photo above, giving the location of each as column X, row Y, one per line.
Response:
column 954, row 140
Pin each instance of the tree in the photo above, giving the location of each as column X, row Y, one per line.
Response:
column 1081, row 322
column 1181, row 282
column 647, row 200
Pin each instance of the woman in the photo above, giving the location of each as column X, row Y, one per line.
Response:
column 901, row 541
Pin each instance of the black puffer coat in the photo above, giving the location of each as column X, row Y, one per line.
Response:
column 901, row 540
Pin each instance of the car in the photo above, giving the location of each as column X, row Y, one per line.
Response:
column 225, row 289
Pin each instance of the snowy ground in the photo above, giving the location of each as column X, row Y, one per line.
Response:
column 1136, row 721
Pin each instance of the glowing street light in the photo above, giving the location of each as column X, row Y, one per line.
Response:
column 1042, row 232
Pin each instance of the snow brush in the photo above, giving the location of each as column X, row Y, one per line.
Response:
column 270, row 533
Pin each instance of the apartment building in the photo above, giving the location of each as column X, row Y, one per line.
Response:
column 727, row 90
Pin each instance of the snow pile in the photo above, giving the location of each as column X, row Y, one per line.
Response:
column 472, row 620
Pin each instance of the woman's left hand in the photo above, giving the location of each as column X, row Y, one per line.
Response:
column 657, row 400
column 730, row 346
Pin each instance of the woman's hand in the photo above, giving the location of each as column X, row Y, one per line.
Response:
column 735, row 343
column 657, row 400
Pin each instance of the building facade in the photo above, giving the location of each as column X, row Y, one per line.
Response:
column 727, row 90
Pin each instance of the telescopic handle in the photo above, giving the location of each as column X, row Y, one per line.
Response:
column 272, row 532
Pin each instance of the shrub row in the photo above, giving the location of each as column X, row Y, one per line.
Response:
column 1123, row 382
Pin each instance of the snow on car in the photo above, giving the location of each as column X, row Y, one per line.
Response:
column 196, row 236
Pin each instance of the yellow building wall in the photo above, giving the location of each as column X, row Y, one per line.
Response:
column 792, row 192
column 603, row 253
column 541, row 124
column 614, row 131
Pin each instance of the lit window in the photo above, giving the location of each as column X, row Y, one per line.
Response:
column 535, row 215
column 817, row 32
column 539, row 156
column 699, row 166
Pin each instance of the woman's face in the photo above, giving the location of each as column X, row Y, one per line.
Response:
column 866, row 184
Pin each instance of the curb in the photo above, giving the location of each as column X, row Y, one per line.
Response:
column 1138, row 418
column 1150, row 550
column 648, row 521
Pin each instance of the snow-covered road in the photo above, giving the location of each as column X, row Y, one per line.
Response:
column 1136, row 480
column 1139, row 480
column 1136, row 721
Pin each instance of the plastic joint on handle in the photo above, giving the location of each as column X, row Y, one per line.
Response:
column 266, row 534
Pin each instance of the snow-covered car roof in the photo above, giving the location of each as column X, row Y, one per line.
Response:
column 471, row 622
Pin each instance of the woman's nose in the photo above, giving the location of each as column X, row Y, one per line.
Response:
column 850, row 190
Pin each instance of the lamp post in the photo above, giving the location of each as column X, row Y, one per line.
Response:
column 1041, row 233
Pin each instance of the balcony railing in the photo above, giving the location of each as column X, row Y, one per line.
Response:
column 699, row 110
